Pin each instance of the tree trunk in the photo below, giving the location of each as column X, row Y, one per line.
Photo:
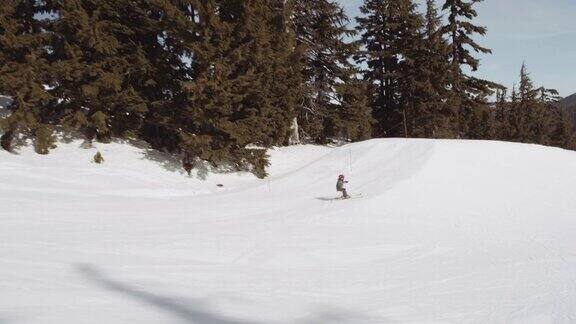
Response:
column 294, row 129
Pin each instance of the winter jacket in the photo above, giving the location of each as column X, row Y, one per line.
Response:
column 340, row 184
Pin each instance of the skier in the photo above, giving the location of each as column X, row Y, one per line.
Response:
column 340, row 186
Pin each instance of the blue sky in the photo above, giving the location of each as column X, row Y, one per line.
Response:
column 540, row 32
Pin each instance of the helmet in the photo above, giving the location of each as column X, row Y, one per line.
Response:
column 341, row 176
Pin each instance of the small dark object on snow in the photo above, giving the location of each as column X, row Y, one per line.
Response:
column 98, row 158
column 219, row 185
column 6, row 140
column 187, row 163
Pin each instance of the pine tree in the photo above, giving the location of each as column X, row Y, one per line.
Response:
column 391, row 42
column 503, row 126
column 381, row 62
column 118, row 63
column 352, row 116
column 526, row 91
column 414, row 79
column 571, row 112
column 432, row 117
column 321, row 30
column 562, row 133
column 202, row 122
column 467, row 93
column 253, row 71
column 532, row 116
column 527, row 109
column 45, row 139
column 229, row 104
column 23, row 67
column 287, row 84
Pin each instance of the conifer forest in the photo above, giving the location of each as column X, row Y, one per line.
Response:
column 222, row 80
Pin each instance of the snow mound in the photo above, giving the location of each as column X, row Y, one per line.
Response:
column 444, row 232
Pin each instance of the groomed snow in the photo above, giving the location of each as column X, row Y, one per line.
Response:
column 446, row 232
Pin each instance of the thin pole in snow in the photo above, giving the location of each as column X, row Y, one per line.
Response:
column 405, row 125
column 350, row 158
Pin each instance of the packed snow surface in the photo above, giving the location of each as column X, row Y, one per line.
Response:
column 445, row 232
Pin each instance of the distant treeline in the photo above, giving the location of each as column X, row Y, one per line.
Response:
column 221, row 80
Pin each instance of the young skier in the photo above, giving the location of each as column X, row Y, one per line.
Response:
column 340, row 186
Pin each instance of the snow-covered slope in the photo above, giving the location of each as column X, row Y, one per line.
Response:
column 445, row 232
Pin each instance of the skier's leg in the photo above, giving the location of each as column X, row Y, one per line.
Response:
column 344, row 193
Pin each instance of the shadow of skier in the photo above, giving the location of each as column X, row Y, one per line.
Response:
column 328, row 198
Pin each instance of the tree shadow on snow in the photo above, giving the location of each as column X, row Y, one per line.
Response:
column 7, row 318
column 169, row 162
column 173, row 163
column 192, row 311
column 178, row 308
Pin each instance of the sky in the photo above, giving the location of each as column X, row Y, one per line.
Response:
column 541, row 33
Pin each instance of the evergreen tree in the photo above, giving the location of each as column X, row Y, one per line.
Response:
column 230, row 99
column 562, row 133
column 286, row 84
column 253, row 70
column 380, row 59
column 209, row 78
column 571, row 112
column 432, row 117
column 526, row 90
column 321, row 30
column 45, row 139
column 467, row 93
column 352, row 117
column 202, row 124
column 115, row 62
column 415, row 80
column 503, row 126
column 391, row 40
column 532, row 116
column 23, row 67
column 527, row 109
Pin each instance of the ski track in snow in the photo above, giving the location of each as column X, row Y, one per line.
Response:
column 445, row 232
